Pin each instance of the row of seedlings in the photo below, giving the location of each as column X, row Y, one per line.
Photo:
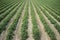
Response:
column 35, row 29
column 24, row 27
column 2, row 16
column 57, row 12
column 3, row 10
column 46, row 26
column 53, row 14
column 54, row 10
column 5, row 21
column 57, row 26
column 5, row 5
column 12, row 26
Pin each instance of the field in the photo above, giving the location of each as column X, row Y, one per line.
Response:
column 29, row 19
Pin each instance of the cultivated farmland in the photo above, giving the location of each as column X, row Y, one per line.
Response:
column 29, row 20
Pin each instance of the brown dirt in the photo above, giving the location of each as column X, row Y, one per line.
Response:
column 4, row 33
column 51, row 15
column 44, row 35
column 53, row 18
column 51, row 26
column 30, row 26
column 18, row 28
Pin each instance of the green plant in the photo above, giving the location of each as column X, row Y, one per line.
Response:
column 4, row 22
column 35, row 29
column 12, row 26
column 46, row 26
column 24, row 27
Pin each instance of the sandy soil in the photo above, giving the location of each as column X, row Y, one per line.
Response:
column 30, row 26
column 52, row 27
column 18, row 28
column 4, row 33
column 44, row 35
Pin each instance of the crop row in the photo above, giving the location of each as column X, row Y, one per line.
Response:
column 57, row 26
column 7, row 11
column 52, row 9
column 24, row 27
column 46, row 26
column 5, row 5
column 3, row 10
column 53, row 14
column 35, row 29
column 52, row 4
column 12, row 27
column 5, row 21
column 56, row 12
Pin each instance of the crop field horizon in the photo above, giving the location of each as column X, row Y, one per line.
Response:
column 29, row 19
